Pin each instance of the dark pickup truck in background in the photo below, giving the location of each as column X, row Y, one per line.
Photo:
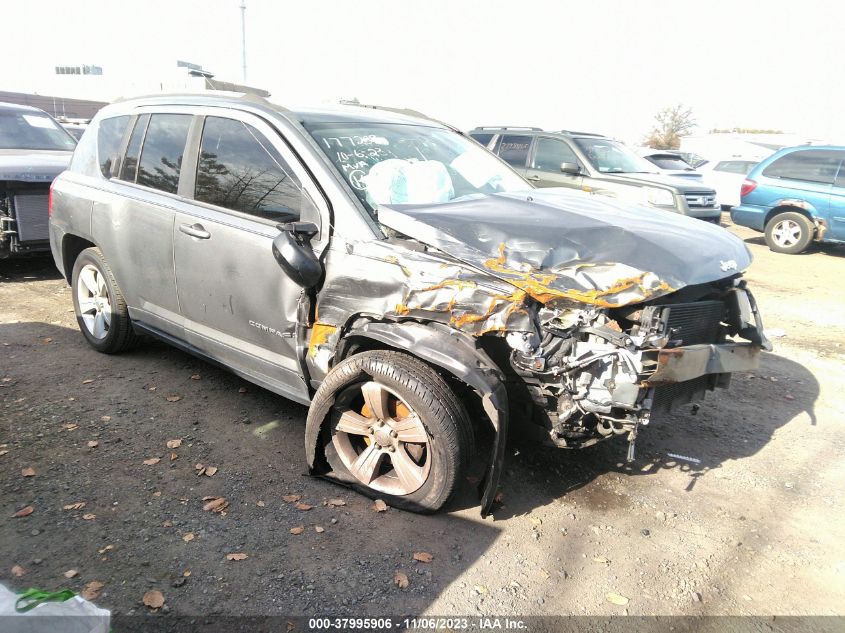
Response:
column 34, row 149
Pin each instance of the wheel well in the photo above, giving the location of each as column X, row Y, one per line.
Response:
column 72, row 246
column 785, row 209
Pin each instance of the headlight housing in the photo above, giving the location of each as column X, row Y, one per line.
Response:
column 659, row 197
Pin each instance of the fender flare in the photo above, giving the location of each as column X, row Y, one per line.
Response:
column 455, row 353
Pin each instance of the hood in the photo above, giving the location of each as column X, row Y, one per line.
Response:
column 558, row 245
column 683, row 184
column 29, row 165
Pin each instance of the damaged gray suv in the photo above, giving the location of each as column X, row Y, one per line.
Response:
column 398, row 278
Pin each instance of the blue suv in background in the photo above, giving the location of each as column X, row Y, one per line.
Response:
column 796, row 196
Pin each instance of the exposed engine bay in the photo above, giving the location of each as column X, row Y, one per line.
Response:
column 598, row 373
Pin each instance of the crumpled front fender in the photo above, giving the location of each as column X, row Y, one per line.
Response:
column 457, row 354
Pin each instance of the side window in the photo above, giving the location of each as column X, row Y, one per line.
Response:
column 807, row 165
column 129, row 169
column 239, row 169
column 513, row 149
column 161, row 156
column 550, row 153
column 109, row 135
column 483, row 138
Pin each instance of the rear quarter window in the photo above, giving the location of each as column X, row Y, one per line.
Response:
column 109, row 136
column 513, row 149
column 809, row 166
column 483, row 139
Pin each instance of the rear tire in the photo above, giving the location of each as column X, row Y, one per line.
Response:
column 99, row 305
column 393, row 429
column 789, row 232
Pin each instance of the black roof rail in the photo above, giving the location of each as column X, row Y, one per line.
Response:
column 508, row 127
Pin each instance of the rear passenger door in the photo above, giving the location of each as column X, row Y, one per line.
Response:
column 239, row 306
column 546, row 158
column 134, row 227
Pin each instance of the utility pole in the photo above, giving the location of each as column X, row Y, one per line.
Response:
column 243, row 38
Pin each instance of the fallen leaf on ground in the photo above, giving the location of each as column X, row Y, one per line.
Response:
column 75, row 506
column 152, row 461
column 188, row 537
column 260, row 504
column 236, row 556
column 215, row 504
column 105, row 418
column 29, row 471
column 186, row 573
column 24, row 512
column 379, row 506
column 153, row 388
column 299, row 529
column 303, row 506
column 196, row 377
column 154, row 599
column 47, row 340
column 174, row 443
column 173, row 457
column 423, row 557
column 334, row 503
column 210, row 470
column 173, row 398
column 106, row 549
column 70, row 573
column 91, row 590
column 18, row 571
column 70, row 426
column 87, row 381
column 89, row 517
column 3, row 453
column 319, row 529
column 400, row 579
column 600, row 559
column 615, row 598
column 291, row 498
column 93, row 444
column 167, row 523
column 545, row 574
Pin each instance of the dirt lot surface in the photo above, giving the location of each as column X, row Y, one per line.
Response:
column 756, row 526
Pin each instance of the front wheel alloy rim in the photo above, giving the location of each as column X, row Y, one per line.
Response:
column 92, row 293
column 380, row 440
column 786, row 233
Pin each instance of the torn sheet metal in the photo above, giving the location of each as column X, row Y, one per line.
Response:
column 562, row 248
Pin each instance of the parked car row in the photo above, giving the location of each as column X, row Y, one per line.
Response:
column 402, row 281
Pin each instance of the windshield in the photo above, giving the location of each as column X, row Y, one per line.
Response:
column 388, row 163
column 25, row 129
column 611, row 157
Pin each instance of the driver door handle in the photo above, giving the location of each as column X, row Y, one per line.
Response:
column 195, row 230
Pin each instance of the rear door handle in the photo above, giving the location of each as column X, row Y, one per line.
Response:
column 535, row 178
column 195, row 230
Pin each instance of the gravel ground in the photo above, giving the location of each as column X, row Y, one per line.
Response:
column 754, row 527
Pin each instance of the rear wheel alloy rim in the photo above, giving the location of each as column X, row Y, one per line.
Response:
column 786, row 233
column 92, row 293
column 383, row 442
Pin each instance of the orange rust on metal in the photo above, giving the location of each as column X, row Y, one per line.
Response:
column 457, row 284
column 320, row 333
column 536, row 285
column 402, row 309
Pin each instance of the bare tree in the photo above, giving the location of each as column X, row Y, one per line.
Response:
column 671, row 124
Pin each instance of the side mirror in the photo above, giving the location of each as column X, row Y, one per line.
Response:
column 571, row 169
column 292, row 249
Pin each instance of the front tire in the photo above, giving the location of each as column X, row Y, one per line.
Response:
column 393, row 429
column 99, row 305
column 789, row 233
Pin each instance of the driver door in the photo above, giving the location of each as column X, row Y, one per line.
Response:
column 239, row 306
column 544, row 166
